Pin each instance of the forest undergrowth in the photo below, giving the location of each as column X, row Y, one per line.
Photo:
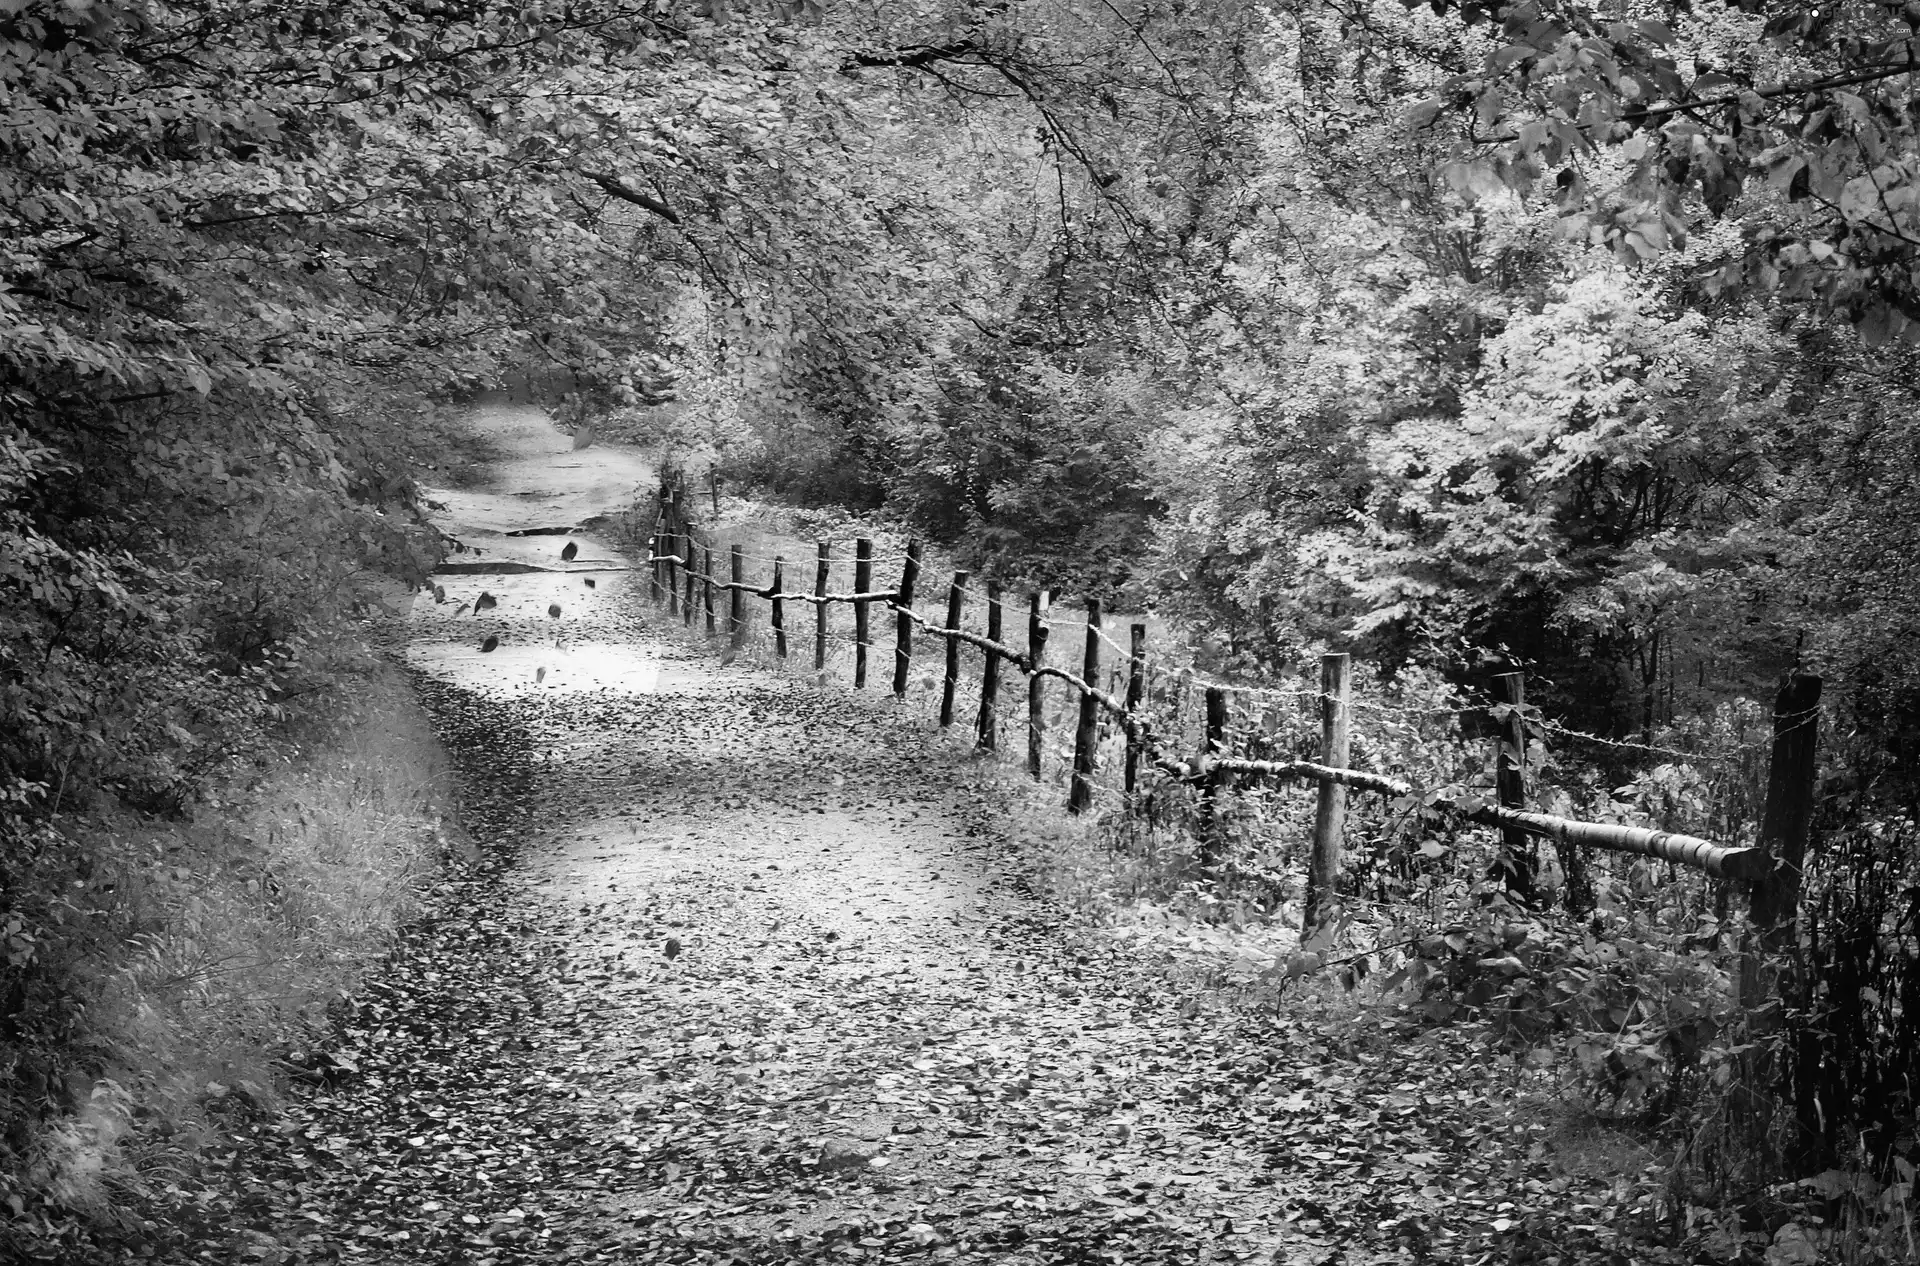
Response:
column 203, row 957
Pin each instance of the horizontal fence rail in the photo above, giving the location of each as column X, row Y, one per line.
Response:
column 1141, row 689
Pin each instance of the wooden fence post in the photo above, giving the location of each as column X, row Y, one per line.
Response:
column 1212, row 780
column 706, row 579
column 1785, row 824
column 1136, row 691
column 778, row 616
column 987, row 728
column 737, row 599
column 862, row 583
column 686, row 602
column 713, row 486
column 822, row 565
column 1517, row 862
column 673, row 548
column 1080, row 790
column 903, row 636
column 956, row 599
column 1322, row 904
column 1036, row 653
column 1788, row 817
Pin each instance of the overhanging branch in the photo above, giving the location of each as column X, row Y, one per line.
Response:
column 626, row 193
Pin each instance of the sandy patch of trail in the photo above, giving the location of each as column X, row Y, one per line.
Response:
column 745, row 972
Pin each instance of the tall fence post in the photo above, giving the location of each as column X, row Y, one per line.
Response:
column 1322, row 904
column 686, row 602
column 778, row 615
column 862, row 583
column 1788, row 817
column 1212, row 779
column 987, row 727
column 713, row 487
column 736, row 598
column 956, row 599
column 1785, row 824
column 903, row 635
column 672, row 576
column 1136, row 691
column 1517, row 862
column 1036, row 654
column 822, row 565
column 706, row 585
column 1080, row 790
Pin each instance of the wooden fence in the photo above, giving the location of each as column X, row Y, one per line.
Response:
column 680, row 566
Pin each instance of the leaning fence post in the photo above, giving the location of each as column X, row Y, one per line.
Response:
column 956, row 598
column 1080, row 790
column 1136, row 691
column 987, row 728
column 820, row 569
column 1211, row 779
column 706, row 585
column 778, row 617
column 862, row 583
column 1322, row 904
column 903, row 637
column 1036, row 653
column 737, row 598
column 1517, row 864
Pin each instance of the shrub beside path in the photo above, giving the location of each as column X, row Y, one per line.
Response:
column 740, row 969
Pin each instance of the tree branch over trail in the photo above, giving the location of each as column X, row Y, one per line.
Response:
column 621, row 190
column 921, row 56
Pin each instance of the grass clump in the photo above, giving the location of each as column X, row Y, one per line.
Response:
column 197, row 959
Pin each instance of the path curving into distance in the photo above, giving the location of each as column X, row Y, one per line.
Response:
column 744, row 970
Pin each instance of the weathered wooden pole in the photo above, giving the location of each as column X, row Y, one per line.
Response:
column 987, row 728
column 1516, row 864
column 1788, row 817
column 1036, row 654
column 686, row 602
column 1136, row 691
column 737, row 598
column 706, row 583
column 778, row 615
column 713, row 486
column 1785, row 824
column 903, row 630
column 1214, row 778
column 822, row 565
column 1080, row 790
column 956, row 599
column 672, row 576
column 862, row 583
column 1322, row 904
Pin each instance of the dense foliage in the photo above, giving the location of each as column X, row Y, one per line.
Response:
column 1562, row 336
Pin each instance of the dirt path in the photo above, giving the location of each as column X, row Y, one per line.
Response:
column 744, row 972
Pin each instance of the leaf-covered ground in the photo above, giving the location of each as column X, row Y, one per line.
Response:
column 871, row 1041
column 748, row 970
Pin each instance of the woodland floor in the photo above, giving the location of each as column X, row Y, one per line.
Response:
column 748, row 970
